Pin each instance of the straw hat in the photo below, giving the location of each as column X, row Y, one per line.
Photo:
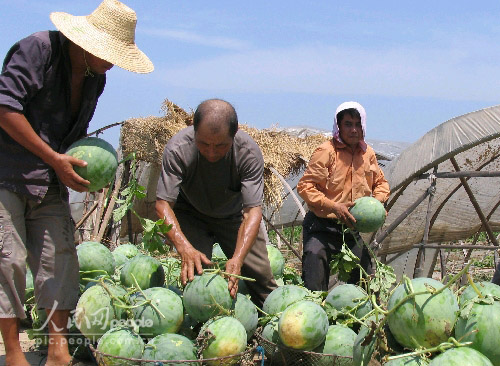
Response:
column 108, row 33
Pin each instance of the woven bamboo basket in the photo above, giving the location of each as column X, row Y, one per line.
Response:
column 245, row 358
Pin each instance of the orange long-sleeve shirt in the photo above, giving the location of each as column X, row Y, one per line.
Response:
column 336, row 174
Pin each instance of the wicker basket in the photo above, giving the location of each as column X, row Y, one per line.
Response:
column 244, row 359
column 279, row 355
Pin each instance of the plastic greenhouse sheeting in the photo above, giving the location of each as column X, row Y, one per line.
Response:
column 473, row 141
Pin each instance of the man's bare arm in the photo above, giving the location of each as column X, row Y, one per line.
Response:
column 191, row 258
column 247, row 233
column 17, row 126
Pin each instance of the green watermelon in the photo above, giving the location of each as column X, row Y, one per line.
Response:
column 270, row 331
column 463, row 356
column 347, row 297
column 101, row 158
column 481, row 326
column 485, row 288
column 407, row 361
column 276, row 260
column 303, row 325
column 362, row 354
column 369, row 214
column 151, row 323
column 204, row 295
column 121, row 342
column 94, row 260
column 120, row 259
column 169, row 347
column 425, row 321
column 246, row 312
column 95, row 313
column 147, row 271
column 279, row 299
column 225, row 336
column 339, row 341
column 129, row 250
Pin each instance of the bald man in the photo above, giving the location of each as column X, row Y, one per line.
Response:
column 210, row 189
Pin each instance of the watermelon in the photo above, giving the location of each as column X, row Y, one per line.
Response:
column 147, row 271
column 340, row 342
column 121, row 342
column 204, row 296
column 171, row 347
column 369, row 214
column 425, row 321
column 481, row 326
column 276, row 260
column 361, row 352
column 303, row 325
column 129, row 250
column 463, row 356
column 270, row 331
column 224, row 336
column 101, row 158
column 246, row 312
column 347, row 297
column 279, row 299
column 485, row 288
column 95, row 313
column 151, row 323
column 120, row 259
column 407, row 361
column 94, row 260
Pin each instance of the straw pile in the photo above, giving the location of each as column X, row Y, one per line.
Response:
column 148, row 137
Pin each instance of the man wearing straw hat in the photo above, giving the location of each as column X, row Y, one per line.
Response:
column 49, row 87
column 210, row 189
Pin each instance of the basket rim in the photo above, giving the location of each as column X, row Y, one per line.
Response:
column 251, row 349
column 282, row 346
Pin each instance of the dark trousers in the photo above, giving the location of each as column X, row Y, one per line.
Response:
column 496, row 275
column 203, row 232
column 322, row 238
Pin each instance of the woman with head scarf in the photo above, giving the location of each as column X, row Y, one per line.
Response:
column 340, row 171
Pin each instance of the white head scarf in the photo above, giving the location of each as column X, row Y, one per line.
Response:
column 362, row 113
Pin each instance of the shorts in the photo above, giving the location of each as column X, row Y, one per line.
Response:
column 42, row 236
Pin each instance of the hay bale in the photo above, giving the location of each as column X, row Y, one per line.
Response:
column 287, row 154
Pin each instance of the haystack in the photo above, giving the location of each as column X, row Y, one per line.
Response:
column 287, row 154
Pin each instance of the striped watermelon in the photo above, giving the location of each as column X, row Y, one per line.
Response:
column 101, row 158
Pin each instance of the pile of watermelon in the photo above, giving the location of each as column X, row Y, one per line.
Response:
column 133, row 306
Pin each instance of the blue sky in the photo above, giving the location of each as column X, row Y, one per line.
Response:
column 413, row 65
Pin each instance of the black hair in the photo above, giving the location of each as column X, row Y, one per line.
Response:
column 205, row 107
column 353, row 112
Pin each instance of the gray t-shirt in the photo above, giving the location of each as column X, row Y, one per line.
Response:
column 219, row 189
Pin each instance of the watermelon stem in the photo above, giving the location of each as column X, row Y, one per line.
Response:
column 147, row 301
column 452, row 343
column 474, row 287
column 226, row 274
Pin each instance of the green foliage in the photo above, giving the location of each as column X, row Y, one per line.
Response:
column 343, row 263
column 153, row 231
column 292, row 277
column 293, row 234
